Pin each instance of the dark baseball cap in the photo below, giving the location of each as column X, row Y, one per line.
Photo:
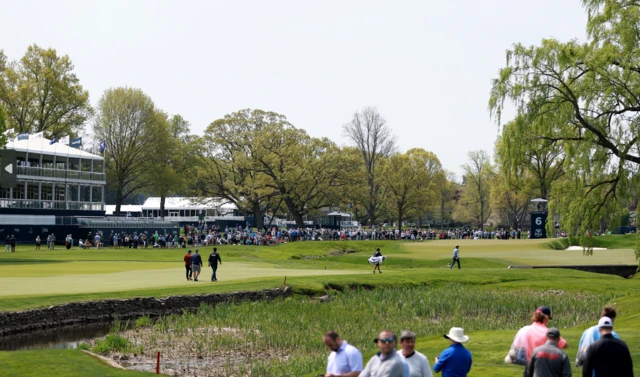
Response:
column 544, row 310
column 553, row 333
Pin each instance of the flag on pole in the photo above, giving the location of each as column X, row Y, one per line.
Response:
column 37, row 135
column 76, row 143
column 53, row 140
column 64, row 140
column 103, row 145
column 23, row 136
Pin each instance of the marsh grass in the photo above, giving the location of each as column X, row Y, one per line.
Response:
column 283, row 337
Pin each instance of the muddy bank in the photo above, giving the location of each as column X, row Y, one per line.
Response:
column 105, row 311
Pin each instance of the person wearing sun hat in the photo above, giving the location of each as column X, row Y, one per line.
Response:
column 454, row 361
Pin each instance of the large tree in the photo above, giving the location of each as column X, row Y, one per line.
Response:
column 228, row 167
column 431, row 167
column 402, row 176
column 307, row 173
column 476, row 192
column 371, row 134
column 583, row 98
column 42, row 93
column 531, row 155
column 128, row 123
column 170, row 167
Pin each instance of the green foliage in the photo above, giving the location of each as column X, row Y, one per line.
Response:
column 408, row 179
column 84, row 346
column 577, row 100
column 113, row 343
column 295, row 326
column 144, row 321
column 3, row 127
column 42, row 93
column 475, row 201
column 129, row 125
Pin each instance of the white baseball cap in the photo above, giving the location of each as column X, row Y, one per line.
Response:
column 605, row 322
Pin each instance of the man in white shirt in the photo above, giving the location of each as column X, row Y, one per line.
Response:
column 345, row 360
column 417, row 362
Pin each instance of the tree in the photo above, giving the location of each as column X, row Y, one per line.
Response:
column 511, row 196
column 402, row 175
column 307, row 173
column 369, row 131
column 476, row 187
column 539, row 158
column 583, row 99
column 228, row 167
column 42, row 93
column 431, row 167
column 3, row 128
column 445, row 190
column 128, row 123
column 169, row 169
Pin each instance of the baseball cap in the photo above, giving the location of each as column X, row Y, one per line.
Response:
column 544, row 310
column 605, row 322
column 553, row 333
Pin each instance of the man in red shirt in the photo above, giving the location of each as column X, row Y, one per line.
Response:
column 187, row 265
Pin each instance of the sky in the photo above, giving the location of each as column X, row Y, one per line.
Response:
column 426, row 65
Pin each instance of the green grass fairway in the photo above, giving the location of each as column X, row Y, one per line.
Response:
column 31, row 279
column 141, row 279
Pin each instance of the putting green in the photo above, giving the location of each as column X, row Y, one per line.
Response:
column 128, row 280
column 525, row 252
column 74, row 268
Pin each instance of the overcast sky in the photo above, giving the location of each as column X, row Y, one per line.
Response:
column 426, row 65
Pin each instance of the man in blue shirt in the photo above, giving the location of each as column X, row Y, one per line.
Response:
column 455, row 361
column 592, row 335
column 456, row 257
column 345, row 360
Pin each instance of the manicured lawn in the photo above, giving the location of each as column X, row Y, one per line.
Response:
column 68, row 363
column 31, row 279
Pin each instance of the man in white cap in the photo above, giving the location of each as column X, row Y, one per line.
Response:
column 592, row 335
column 417, row 362
column 548, row 360
column 608, row 356
column 455, row 361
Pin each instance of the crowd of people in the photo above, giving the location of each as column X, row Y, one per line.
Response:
column 538, row 348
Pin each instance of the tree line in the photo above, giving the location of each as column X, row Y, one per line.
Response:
column 573, row 140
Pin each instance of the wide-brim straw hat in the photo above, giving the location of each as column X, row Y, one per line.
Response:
column 457, row 335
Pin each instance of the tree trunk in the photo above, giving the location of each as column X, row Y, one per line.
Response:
column 259, row 216
column 118, row 201
column 163, row 198
column 400, row 214
column 297, row 215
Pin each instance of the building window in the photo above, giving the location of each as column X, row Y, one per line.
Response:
column 32, row 191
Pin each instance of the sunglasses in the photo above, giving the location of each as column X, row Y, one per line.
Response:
column 386, row 340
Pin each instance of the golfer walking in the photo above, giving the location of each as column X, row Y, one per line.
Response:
column 456, row 257
column 214, row 258
column 196, row 265
column 187, row 265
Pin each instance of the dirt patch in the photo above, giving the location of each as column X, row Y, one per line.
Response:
column 192, row 352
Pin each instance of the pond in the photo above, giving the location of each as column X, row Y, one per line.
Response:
column 60, row 338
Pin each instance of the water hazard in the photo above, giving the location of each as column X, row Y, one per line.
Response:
column 60, row 338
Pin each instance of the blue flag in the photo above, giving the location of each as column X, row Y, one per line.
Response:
column 23, row 136
column 53, row 140
column 103, row 145
column 76, row 143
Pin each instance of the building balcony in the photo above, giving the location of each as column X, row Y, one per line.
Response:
column 50, row 204
column 61, row 174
